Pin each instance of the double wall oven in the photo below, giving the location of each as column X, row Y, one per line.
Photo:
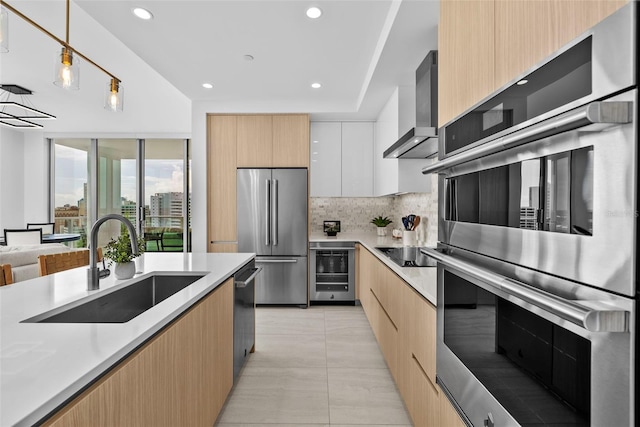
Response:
column 538, row 230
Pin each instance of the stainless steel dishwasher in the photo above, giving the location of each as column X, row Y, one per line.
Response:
column 332, row 274
column 244, row 315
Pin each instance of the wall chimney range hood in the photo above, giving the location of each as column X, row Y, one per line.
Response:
column 421, row 142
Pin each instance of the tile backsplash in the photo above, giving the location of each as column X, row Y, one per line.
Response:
column 355, row 213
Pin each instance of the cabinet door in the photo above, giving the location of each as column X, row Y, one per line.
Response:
column 290, row 140
column 325, row 159
column 255, row 141
column 217, row 338
column 525, row 32
column 182, row 376
column 222, row 179
column 357, row 159
column 422, row 332
column 466, row 55
column 575, row 17
column 448, row 415
column 425, row 400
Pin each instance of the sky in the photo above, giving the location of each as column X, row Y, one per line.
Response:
column 162, row 176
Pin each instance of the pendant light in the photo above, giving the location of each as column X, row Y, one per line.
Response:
column 114, row 96
column 4, row 31
column 67, row 72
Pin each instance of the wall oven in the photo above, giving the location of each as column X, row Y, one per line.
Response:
column 538, row 224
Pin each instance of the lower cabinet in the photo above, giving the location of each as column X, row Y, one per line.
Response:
column 182, row 376
column 404, row 324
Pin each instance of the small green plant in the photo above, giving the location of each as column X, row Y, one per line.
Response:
column 380, row 221
column 119, row 250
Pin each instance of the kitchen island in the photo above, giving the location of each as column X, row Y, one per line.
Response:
column 44, row 365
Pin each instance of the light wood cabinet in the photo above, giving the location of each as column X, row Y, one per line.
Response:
column 465, row 55
column 484, row 44
column 575, row 17
column 182, row 376
column 290, row 140
column 273, row 141
column 525, row 34
column 221, row 170
column 404, row 324
column 448, row 415
column 255, row 141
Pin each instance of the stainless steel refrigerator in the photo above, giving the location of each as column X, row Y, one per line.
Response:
column 272, row 222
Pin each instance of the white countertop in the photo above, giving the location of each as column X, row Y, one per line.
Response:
column 43, row 364
column 422, row 279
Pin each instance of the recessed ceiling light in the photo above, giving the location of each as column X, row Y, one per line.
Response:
column 142, row 13
column 207, row 85
column 316, row 85
column 248, row 57
column 522, row 82
column 314, row 12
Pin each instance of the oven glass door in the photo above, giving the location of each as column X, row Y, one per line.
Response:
column 538, row 371
column 515, row 346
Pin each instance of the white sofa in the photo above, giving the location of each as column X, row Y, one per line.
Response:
column 24, row 259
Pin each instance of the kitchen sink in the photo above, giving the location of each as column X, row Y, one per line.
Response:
column 408, row 256
column 121, row 305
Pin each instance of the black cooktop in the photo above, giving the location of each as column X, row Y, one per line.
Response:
column 408, row 256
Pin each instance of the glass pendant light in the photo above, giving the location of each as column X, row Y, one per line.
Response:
column 4, row 31
column 114, row 96
column 67, row 73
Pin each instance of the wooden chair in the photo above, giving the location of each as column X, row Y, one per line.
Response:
column 6, row 276
column 54, row 263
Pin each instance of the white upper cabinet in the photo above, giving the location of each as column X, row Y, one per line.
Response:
column 357, row 159
column 341, row 159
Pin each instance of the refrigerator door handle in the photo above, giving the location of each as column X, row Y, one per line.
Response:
column 274, row 214
column 267, row 213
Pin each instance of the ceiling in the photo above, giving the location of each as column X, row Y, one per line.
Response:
column 359, row 50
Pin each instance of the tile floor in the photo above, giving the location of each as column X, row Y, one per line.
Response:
column 315, row 367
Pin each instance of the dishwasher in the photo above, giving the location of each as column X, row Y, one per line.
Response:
column 332, row 275
column 244, row 314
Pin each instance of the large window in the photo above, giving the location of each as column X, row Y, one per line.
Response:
column 121, row 180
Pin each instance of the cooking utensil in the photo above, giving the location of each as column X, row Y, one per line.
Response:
column 405, row 222
column 410, row 220
column 416, row 222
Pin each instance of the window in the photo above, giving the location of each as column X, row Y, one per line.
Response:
column 121, row 180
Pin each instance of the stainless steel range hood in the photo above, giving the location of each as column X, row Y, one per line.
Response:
column 421, row 142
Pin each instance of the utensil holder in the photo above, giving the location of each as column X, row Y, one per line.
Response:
column 409, row 237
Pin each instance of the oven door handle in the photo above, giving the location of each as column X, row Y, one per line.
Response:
column 594, row 320
column 601, row 114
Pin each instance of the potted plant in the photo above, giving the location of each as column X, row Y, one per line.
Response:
column 118, row 251
column 381, row 222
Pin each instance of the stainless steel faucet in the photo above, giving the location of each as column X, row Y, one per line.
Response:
column 93, row 273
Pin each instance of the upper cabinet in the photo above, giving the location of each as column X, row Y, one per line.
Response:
column 273, row 140
column 342, row 159
column 485, row 44
column 465, row 54
column 290, row 140
column 255, row 141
